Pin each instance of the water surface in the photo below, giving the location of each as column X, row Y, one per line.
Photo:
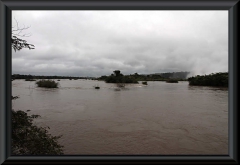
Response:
column 160, row 118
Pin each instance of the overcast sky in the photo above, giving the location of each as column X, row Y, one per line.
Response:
column 95, row 43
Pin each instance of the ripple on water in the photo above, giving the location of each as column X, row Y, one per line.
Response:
column 159, row 118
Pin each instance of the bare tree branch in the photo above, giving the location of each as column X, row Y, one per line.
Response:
column 19, row 30
column 17, row 43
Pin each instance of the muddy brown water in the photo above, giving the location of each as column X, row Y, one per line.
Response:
column 160, row 118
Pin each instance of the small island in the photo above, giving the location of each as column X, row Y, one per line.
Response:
column 214, row 79
column 117, row 77
column 144, row 83
column 47, row 84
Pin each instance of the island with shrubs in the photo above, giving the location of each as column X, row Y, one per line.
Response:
column 118, row 77
column 47, row 84
column 214, row 79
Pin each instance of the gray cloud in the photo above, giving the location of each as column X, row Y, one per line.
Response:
column 94, row 43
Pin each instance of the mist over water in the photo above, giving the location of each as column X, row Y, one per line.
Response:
column 161, row 118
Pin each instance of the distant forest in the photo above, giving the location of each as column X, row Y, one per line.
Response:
column 118, row 77
column 214, row 79
column 30, row 77
column 139, row 77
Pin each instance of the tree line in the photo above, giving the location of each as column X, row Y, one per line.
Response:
column 118, row 77
column 29, row 77
column 213, row 79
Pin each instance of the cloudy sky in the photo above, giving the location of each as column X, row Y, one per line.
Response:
column 95, row 43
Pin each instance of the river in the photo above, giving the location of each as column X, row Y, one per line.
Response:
column 160, row 118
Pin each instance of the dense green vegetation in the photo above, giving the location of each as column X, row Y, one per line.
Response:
column 47, row 83
column 151, row 77
column 214, row 79
column 117, row 77
column 29, row 139
column 120, row 79
column 134, row 78
column 180, row 76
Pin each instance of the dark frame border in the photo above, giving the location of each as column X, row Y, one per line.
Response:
column 6, row 6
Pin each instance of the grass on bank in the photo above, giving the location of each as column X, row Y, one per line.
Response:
column 47, row 84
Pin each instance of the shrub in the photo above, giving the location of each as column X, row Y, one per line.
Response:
column 117, row 77
column 120, row 79
column 214, row 79
column 47, row 84
column 29, row 139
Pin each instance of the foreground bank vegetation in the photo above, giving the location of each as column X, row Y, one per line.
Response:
column 30, row 139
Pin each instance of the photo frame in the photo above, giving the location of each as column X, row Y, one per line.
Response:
column 6, row 6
